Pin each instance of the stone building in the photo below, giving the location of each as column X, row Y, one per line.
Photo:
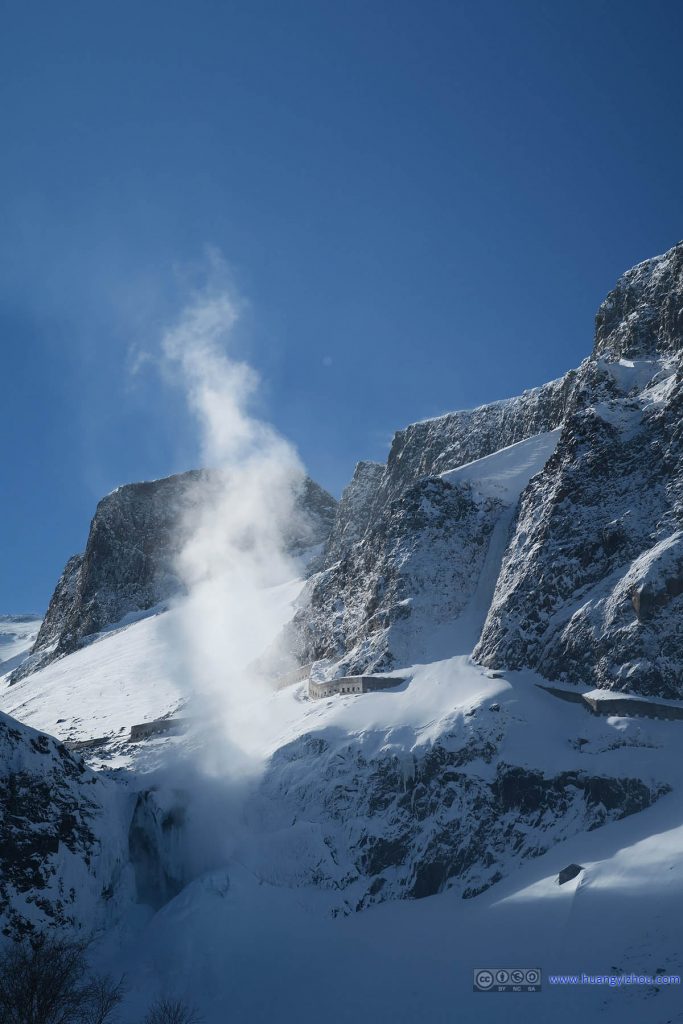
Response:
column 351, row 684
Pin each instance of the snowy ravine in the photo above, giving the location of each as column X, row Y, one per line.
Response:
column 353, row 858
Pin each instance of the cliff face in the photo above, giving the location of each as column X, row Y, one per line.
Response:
column 129, row 562
column 315, row 513
column 63, row 859
column 434, row 446
column 127, row 566
column 391, row 598
column 355, row 510
column 451, row 814
column 590, row 587
column 643, row 316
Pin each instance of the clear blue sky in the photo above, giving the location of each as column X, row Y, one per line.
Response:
column 423, row 202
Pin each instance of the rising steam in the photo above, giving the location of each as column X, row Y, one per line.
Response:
column 236, row 527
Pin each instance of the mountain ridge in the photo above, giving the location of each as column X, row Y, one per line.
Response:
column 482, row 560
column 129, row 564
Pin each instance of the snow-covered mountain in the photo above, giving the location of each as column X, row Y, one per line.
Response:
column 355, row 857
column 130, row 560
column 591, row 583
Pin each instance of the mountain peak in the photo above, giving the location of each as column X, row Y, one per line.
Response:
column 643, row 314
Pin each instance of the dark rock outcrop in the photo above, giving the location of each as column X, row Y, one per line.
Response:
column 60, row 847
column 316, row 510
column 128, row 565
column 591, row 588
column 389, row 827
column 383, row 603
column 643, row 315
column 591, row 584
column 130, row 561
column 155, row 846
column 355, row 510
column 434, row 446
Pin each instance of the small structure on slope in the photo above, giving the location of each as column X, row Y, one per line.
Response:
column 162, row 726
column 351, row 684
column 571, row 871
column 606, row 702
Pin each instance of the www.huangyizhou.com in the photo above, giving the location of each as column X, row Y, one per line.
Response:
column 614, row 980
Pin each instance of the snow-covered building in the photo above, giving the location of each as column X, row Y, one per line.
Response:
column 351, row 684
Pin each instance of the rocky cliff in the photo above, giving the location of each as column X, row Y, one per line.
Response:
column 434, row 446
column 355, row 510
column 391, row 598
column 63, row 858
column 642, row 317
column 129, row 562
column 590, row 585
column 542, row 533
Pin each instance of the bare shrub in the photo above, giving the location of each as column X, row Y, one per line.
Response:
column 172, row 1011
column 45, row 980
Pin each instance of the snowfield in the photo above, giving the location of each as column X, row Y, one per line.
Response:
column 259, row 952
column 127, row 676
column 232, row 925
column 263, row 927
column 117, row 681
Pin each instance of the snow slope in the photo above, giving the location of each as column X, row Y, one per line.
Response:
column 249, row 942
column 126, row 677
column 17, row 636
column 246, row 951
column 264, row 927
column 505, row 473
column 121, row 679
column 256, row 917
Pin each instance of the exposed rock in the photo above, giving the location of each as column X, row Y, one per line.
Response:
column 437, row 445
column 155, row 846
column 381, row 828
column 316, row 510
column 643, row 315
column 355, row 509
column 568, row 873
column 382, row 604
column 61, row 841
column 129, row 563
column 434, row 446
column 591, row 587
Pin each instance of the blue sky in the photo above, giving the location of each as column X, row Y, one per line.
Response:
column 422, row 205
